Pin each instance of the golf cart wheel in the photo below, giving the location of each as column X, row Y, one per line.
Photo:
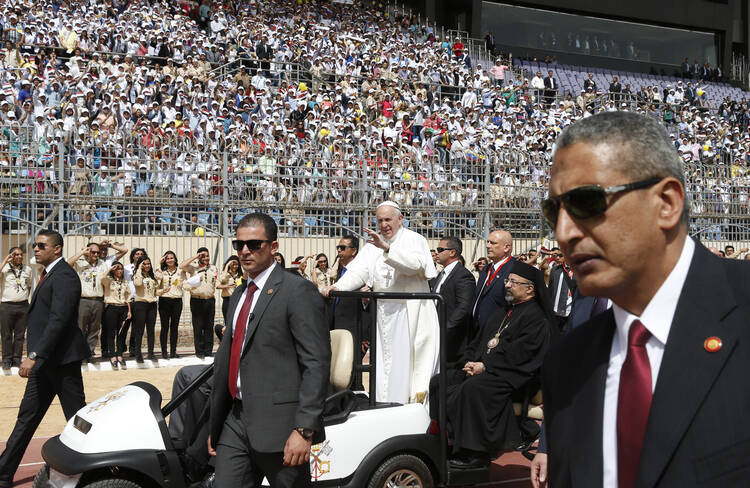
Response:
column 402, row 471
column 41, row 480
column 112, row 483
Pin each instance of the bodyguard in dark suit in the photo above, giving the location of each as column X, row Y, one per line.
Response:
column 55, row 350
column 582, row 310
column 652, row 393
column 272, row 369
column 562, row 285
column 344, row 313
column 456, row 285
column 489, row 296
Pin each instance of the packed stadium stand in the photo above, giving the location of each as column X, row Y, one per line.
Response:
column 138, row 117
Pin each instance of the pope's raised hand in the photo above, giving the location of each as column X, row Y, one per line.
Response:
column 376, row 240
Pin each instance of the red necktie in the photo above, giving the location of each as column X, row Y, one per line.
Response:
column 44, row 273
column 238, row 340
column 633, row 405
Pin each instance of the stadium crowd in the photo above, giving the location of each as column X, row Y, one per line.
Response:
column 328, row 105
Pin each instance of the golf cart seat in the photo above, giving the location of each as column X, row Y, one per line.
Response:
column 533, row 406
column 342, row 359
column 341, row 402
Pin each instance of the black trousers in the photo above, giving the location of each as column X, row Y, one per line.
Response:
column 202, row 311
column 455, row 344
column 238, row 464
column 112, row 322
column 144, row 316
column 224, row 307
column 170, row 310
column 43, row 384
column 13, row 320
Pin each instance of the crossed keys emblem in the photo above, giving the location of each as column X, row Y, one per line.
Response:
column 115, row 395
column 319, row 466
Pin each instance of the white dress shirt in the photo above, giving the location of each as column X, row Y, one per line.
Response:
column 657, row 318
column 446, row 271
column 51, row 265
column 260, row 282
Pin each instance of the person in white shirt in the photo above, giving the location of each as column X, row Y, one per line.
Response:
column 15, row 288
column 398, row 259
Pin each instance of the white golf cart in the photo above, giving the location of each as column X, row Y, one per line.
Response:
column 122, row 441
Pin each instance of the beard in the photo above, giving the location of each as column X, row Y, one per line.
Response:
column 509, row 297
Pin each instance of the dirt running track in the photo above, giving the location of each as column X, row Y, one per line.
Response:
column 509, row 471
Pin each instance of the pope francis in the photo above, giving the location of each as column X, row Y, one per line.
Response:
column 398, row 260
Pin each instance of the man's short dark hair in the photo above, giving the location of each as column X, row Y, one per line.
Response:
column 202, row 249
column 14, row 249
column 55, row 238
column 260, row 219
column 351, row 241
column 454, row 243
column 93, row 244
column 728, row 247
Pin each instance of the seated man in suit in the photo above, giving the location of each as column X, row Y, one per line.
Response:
column 456, row 285
column 499, row 362
column 654, row 391
column 344, row 313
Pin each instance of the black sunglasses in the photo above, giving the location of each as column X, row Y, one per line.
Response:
column 252, row 244
column 40, row 245
column 441, row 249
column 341, row 248
column 588, row 201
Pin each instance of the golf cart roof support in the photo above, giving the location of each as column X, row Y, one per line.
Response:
column 197, row 382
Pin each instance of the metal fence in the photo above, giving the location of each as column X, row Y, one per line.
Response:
column 310, row 191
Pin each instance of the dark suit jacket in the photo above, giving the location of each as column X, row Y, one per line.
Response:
column 589, row 83
column 53, row 331
column 458, row 291
column 343, row 315
column 548, row 83
column 492, row 297
column 698, row 431
column 284, row 367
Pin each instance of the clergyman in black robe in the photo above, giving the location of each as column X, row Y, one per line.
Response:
column 506, row 354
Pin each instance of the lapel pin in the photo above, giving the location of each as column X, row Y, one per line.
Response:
column 270, row 290
column 712, row 344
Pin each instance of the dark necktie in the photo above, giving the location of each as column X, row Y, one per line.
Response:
column 44, row 273
column 336, row 300
column 437, row 280
column 238, row 340
column 633, row 405
column 600, row 306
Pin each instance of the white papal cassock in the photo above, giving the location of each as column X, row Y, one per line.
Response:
column 408, row 334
